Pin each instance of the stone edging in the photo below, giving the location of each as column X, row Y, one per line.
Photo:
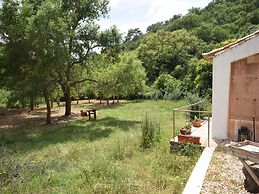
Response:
column 197, row 177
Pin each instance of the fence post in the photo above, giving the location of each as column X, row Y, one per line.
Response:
column 174, row 123
column 208, row 130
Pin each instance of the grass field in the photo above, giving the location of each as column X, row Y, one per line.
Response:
column 102, row 156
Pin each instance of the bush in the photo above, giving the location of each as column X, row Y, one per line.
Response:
column 153, row 94
column 194, row 98
column 189, row 149
column 165, row 87
column 4, row 94
column 150, row 132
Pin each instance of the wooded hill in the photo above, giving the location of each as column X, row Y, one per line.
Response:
column 174, row 47
column 219, row 21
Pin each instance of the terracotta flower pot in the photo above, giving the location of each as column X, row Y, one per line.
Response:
column 196, row 123
column 189, row 139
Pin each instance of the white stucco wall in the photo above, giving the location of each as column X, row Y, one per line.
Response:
column 221, row 83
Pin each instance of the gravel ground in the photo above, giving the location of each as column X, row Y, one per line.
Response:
column 224, row 174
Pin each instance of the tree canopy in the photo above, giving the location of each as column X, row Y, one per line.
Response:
column 162, row 51
column 51, row 46
column 47, row 42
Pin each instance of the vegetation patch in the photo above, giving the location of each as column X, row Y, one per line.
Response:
column 102, row 156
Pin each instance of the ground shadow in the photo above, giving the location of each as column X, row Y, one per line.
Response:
column 121, row 124
column 98, row 106
column 36, row 137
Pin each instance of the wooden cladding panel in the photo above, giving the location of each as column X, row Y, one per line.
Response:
column 244, row 95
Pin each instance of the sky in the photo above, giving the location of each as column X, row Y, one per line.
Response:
column 126, row 14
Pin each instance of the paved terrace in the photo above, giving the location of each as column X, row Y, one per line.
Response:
column 202, row 132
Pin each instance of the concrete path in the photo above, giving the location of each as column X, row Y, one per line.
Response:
column 203, row 133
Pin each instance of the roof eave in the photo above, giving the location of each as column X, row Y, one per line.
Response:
column 210, row 55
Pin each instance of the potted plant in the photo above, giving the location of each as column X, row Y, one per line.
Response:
column 196, row 122
column 186, row 130
column 189, row 139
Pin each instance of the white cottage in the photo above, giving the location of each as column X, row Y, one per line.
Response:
column 235, row 98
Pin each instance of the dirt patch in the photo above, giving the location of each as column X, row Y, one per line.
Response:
column 11, row 118
column 14, row 118
column 224, row 174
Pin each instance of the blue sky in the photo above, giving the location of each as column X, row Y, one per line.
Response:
column 126, row 14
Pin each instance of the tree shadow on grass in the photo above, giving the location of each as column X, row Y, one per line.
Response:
column 104, row 106
column 100, row 106
column 38, row 137
column 121, row 124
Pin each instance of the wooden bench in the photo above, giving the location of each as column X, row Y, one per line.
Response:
column 89, row 112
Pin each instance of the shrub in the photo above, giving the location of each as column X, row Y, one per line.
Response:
column 189, row 149
column 155, row 94
column 194, row 98
column 4, row 94
column 150, row 132
column 166, row 87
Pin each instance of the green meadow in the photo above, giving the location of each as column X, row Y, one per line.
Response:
column 102, row 156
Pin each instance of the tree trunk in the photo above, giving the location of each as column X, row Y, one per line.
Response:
column 100, row 101
column 77, row 101
column 68, row 101
column 31, row 103
column 107, row 102
column 113, row 100
column 58, row 102
column 89, row 100
column 118, row 100
column 51, row 102
column 47, row 101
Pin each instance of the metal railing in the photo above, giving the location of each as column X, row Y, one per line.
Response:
column 188, row 109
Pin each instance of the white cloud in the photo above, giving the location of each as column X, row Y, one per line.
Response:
column 161, row 10
column 127, row 14
column 114, row 3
